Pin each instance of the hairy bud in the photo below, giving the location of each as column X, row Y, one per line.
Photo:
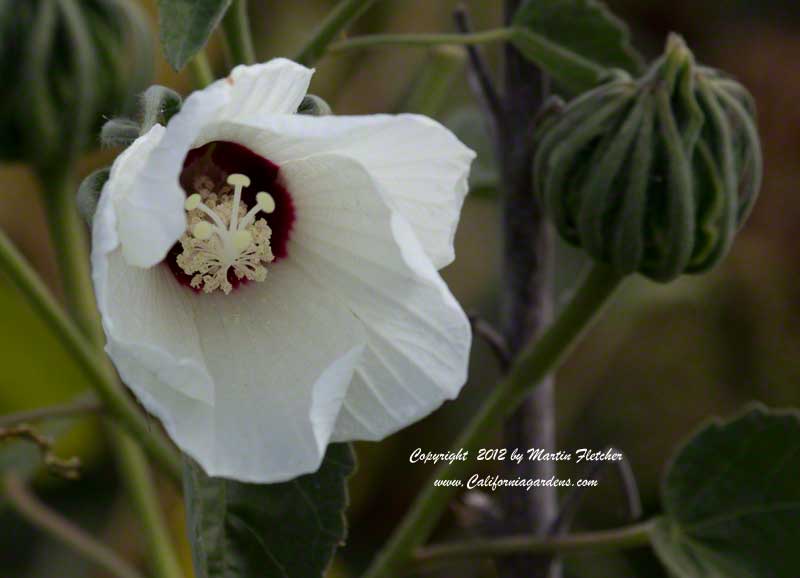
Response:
column 313, row 105
column 653, row 175
column 63, row 67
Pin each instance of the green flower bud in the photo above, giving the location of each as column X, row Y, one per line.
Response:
column 653, row 175
column 89, row 193
column 313, row 105
column 64, row 66
column 158, row 104
column 119, row 133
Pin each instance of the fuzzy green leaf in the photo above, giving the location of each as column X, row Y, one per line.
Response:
column 586, row 27
column 186, row 25
column 292, row 529
column 732, row 500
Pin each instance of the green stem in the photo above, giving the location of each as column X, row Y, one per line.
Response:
column 138, row 480
column 346, row 12
column 67, row 229
column 236, row 29
column 94, row 366
column 534, row 363
column 27, row 506
column 372, row 40
column 572, row 70
column 200, row 70
column 68, row 232
column 84, row 406
column 625, row 538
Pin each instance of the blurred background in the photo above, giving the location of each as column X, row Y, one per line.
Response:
column 663, row 359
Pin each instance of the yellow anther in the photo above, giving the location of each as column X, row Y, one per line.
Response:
column 192, row 202
column 238, row 180
column 242, row 240
column 202, row 230
column 265, row 202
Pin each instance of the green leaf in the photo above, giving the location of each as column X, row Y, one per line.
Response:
column 186, row 25
column 586, row 27
column 732, row 500
column 290, row 530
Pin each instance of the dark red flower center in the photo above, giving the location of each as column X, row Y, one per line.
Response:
column 205, row 172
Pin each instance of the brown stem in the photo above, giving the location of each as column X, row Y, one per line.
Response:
column 496, row 340
column 528, row 255
column 66, row 468
column 480, row 79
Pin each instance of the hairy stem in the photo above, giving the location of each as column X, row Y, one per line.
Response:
column 67, row 230
column 536, row 361
column 89, row 360
column 200, row 70
column 237, row 35
column 573, row 70
column 625, row 538
column 372, row 40
column 27, row 506
column 345, row 13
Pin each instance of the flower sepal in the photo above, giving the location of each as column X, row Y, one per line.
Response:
column 88, row 194
column 314, row 105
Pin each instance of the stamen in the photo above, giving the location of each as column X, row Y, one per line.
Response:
column 225, row 243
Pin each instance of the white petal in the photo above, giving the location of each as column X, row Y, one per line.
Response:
column 149, row 324
column 421, row 167
column 156, row 198
column 282, row 354
column 153, row 206
column 121, row 219
column 274, row 87
column 353, row 243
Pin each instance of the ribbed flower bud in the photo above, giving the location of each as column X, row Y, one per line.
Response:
column 65, row 65
column 653, row 175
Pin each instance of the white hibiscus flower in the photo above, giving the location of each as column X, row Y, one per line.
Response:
column 268, row 281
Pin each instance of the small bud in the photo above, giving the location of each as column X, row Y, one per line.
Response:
column 653, row 175
column 119, row 133
column 314, row 106
column 158, row 105
column 89, row 193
